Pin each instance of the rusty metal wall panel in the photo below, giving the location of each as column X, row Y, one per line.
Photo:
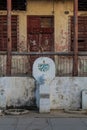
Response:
column 3, row 33
column 82, row 33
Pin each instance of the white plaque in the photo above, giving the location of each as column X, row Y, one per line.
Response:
column 43, row 69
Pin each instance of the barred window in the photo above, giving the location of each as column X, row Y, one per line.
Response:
column 82, row 33
column 3, row 33
column 16, row 5
column 82, row 5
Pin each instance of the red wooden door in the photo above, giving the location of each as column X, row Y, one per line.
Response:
column 39, row 35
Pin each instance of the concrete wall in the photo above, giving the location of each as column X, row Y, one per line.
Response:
column 66, row 92
column 17, row 91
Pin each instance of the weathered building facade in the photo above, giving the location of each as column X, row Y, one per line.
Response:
column 43, row 27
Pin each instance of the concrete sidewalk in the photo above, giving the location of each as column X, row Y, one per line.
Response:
column 36, row 121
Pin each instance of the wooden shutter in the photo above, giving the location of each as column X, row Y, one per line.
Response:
column 82, row 33
column 3, row 33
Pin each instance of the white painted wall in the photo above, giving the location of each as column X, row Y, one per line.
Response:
column 66, row 92
column 17, row 91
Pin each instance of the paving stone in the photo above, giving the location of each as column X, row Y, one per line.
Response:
column 25, row 120
column 8, row 121
column 45, row 123
column 7, row 127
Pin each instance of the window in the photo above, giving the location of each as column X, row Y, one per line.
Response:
column 19, row 5
column 82, row 5
column 3, row 33
column 16, row 4
column 82, row 33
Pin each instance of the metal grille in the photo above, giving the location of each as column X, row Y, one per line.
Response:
column 3, row 33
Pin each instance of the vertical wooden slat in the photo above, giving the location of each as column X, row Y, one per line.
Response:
column 9, row 41
column 75, row 58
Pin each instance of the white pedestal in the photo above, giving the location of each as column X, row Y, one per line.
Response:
column 84, row 99
column 44, row 105
column 44, row 102
column 44, row 72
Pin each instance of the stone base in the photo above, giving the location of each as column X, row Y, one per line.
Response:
column 44, row 105
column 44, row 102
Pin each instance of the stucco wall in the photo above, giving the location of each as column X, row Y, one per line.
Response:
column 61, row 10
column 61, row 19
column 66, row 92
column 35, row 8
column 17, row 91
column 45, row 8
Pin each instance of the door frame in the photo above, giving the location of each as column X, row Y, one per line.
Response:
column 46, row 16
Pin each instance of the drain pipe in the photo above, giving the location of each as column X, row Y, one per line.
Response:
column 9, row 40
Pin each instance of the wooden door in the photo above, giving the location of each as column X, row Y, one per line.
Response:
column 40, row 34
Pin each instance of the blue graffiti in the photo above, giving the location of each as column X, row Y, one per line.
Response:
column 41, row 80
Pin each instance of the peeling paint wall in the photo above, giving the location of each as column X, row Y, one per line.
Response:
column 66, row 92
column 61, row 10
column 2, row 65
column 45, row 8
column 17, row 91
